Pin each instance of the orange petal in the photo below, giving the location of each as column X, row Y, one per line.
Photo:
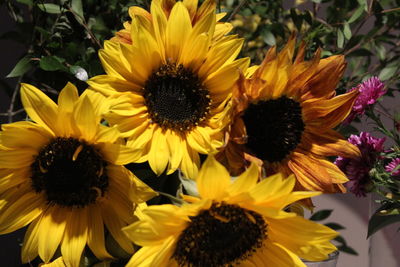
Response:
column 329, row 143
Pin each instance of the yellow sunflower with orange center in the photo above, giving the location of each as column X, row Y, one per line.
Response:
column 169, row 89
column 62, row 175
column 284, row 119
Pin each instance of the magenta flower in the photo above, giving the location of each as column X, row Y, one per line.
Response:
column 357, row 169
column 390, row 168
column 370, row 91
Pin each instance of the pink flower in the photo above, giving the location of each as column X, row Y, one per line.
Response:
column 370, row 91
column 392, row 166
column 357, row 169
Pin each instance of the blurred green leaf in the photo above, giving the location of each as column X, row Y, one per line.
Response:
column 347, row 31
column 340, row 38
column 51, row 63
column 359, row 11
column 76, row 6
column 50, row 8
column 381, row 51
column 297, row 19
column 23, row 66
column 269, row 38
column 321, row 215
column 347, row 249
column 378, row 221
column 388, row 72
column 26, row 2
column 335, row 226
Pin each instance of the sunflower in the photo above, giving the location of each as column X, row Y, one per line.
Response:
column 240, row 223
column 62, row 174
column 196, row 14
column 284, row 116
column 169, row 90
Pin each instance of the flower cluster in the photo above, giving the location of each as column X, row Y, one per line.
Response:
column 358, row 169
column 174, row 93
column 377, row 169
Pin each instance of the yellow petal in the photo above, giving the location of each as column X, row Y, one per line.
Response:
column 75, row 236
column 119, row 154
column 303, row 237
column 109, row 85
column 191, row 6
column 273, row 186
column 18, row 214
column 278, row 255
column 99, row 102
column 142, row 234
column 59, row 262
column 245, row 181
column 51, row 230
column 159, row 153
column 107, row 134
column 164, row 254
column 175, row 147
column 30, row 244
column 17, row 158
column 144, row 47
column 114, row 225
column 190, row 162
column 96, row 234
column 110, row 58
column 85, row 118
column 67, row 98
column 38, row 105
column 220, row 55
column 177, row 35
column 213, row 179
column 144, row 257
column 128, row 184
column 160, row 25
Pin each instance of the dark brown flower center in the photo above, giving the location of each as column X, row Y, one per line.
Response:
column 71, row 172
column 274, row 128
column 223, row 235
column 176, row 98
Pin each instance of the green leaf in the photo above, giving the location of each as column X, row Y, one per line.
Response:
column 76, row 6
column 335, row 226
column 297, row 19
column 340, row 38
column 356, row 14
column 321, row 215
column 364, row 4
column 23, row 66
column 381, row 51
column 51, row 63
column 347, row 31
column 388, row 72
column 379, row 221
column 269, row 38
column 26, row 2
column 348, row 250
column 340, row 240
column 50, row 8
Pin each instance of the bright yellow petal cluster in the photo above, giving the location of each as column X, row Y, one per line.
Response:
column 166, row 45
column 288, row 237
column 196, row 14
column 27, row 152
